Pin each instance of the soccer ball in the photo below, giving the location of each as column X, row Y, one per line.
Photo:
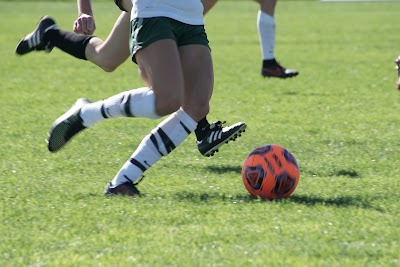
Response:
column 270, row 172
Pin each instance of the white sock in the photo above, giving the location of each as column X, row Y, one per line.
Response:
column 266, row 33
column 138, row 103
column 169, row 134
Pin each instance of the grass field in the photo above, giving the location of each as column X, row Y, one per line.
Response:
column 339, row 117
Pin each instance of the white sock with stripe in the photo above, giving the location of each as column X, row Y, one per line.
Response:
column 138, row 103
column 162, row 140
column 266, row 33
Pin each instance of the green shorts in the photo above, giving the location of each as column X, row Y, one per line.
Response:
column 145, row 31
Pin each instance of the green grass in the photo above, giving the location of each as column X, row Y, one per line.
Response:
column 340, row 118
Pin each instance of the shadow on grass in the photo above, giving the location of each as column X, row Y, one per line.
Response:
column 339, row 201
column 350, row 173
column 210, row 197
column 224, row 168
column 216, row 197
column 342, row 201
column 238, row 169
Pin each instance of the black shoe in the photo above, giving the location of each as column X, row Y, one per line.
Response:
column 218, row 135
column 126, row 189
column 66, row 126
column 35, row 40
column 277, row 71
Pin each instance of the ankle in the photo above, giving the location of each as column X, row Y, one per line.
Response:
column 269, row 62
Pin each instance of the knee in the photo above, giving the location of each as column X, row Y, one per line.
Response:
column 106, row 60
column 97, row 53
column 107, row 67
column 106, row 64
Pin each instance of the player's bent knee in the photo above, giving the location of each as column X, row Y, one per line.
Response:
column 108, row 64
column 104, row 63
column 108, row 67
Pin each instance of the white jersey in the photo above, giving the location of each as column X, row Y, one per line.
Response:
column 186, row 11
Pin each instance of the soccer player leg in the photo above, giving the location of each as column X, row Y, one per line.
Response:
column 112, row 52
column 208, row 4
column 199, row 79
column 141, row 102
column 36, row 41
column 124, row 5
column 167, row 82
column 162, row 140
column 266, row 33
column 108, row 54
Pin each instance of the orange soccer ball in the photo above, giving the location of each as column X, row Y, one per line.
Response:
column 270, row 172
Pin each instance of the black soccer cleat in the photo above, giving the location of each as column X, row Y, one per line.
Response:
column 218, row 135
column 125, row 189
column 66, row 126
column 277, row 71
column 35, row 40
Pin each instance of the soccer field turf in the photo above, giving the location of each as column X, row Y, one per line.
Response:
column 339, row 117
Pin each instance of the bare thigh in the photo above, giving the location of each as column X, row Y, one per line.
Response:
column 112, row 52
column 161, row 68
column 127, row 4
column 208, row 4
column 199, row 79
